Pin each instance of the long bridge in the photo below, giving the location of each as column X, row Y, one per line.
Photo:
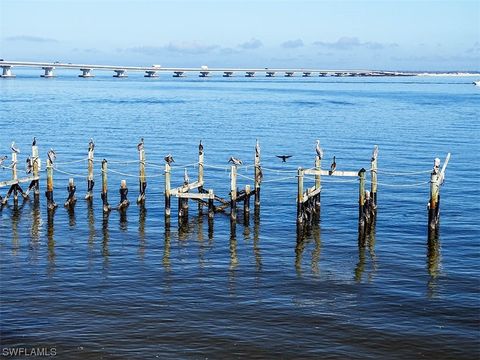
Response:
column 203, row 71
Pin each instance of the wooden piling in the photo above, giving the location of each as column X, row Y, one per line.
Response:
column 211, row 209
column 106, row 206
column 246, row 201
column 142, row 177
column 90, row 180
column 361, row 199
column 71, row 200
column 124, row 203
column 258, row 174
column 200, row 174
column 300, row 196
column 233, row 192
column 35, row 171
column 318, row 183
column 49, row 193
column 167, row 193
column 434, row 203
column 373, row 175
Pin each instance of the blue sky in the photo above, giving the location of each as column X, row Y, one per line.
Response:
column 403, row 35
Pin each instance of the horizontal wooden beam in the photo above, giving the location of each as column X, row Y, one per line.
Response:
column 309, row 194
column 192, row 195
column 18, row 181
column 186, row 188
column 327, row 173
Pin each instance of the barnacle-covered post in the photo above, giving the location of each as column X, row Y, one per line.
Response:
column 124, row 203
column 233, row 192
column 71, row 188
column 167, row 193
column 437, row 178
column 373, row 175
column 300, row 210
column 51, row 156
column 142, row 177
column 90, row 180
column 258, row 174
column 106, row 206
column 361, row 200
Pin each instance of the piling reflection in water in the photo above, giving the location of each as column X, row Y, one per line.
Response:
column 16, row 217
column 35, row 230
column 366, row 241
column 141, row 230
column 306, row 235
column 105, row 240
column 51, row 241
column 434, row 261
column 123, row 219
column 166, row 250
column 71, row 216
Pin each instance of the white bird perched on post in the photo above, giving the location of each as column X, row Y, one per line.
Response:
column 375, row 152
column 319, row 150
column 14, row 148
column 52, row 155
column 235, row 161
column 91, row 145
column 186, row 179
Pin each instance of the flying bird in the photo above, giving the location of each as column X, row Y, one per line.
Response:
column 235, row 161
column 52, row 155
column 91, row 145
column 319, row 150
column 34, row 142
column 140, row 145
column 169, row 159
column 333, row 167
column 14, row 148
column 284, row 157
column 375, row 152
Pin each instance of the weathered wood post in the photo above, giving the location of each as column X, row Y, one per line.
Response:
column 373, row 175
column 246, row 205
column 258, row 174
column 124, row 203
column 211, row 209
column 233, row 192
column 167, row 193
column 361, row 200
column 90, row 180
column 106, row 206
column 200, row 174
column 49, row 193
column 183, row 201
column 300, row 197
column 142, row 177
column 434, row 203
column 71, row 188
column 318, row 184
column 35, row 170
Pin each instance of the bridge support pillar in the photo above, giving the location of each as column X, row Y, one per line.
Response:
column 86, row 73
column 48, row 72
column 179, row 74
column 7, row 72
column 120, row 73
column 270, row 74
column 204, row 74
column 289, row 73
column 306, row 74
column 227, row 73
column 250, row 74
column 150, row 74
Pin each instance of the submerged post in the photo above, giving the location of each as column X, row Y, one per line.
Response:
column 373, row 175
column 71, row 188
column 233, row 192
column 361, row 199
column 49, row 193
column 258, row 174
column 124, row 203
column 90, row 180
column 167, row 193
column 106, row 207
column 300, row 197
column 142, row 177
column 211, row 209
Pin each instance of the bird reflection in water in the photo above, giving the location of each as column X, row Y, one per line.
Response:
column 305, row 235
column 434, row 261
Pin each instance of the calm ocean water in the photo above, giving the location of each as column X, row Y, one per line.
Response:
column 123, row 287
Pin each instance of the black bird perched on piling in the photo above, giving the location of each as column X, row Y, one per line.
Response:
column 319, row 150
column 14, row 148
column 169, row 159
column 34, row 142
column 200, row 147
column 257, row 148
column 333, row 167
column 284, row 157
column 91, row 145
column 235, row 161
column 140, row 145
